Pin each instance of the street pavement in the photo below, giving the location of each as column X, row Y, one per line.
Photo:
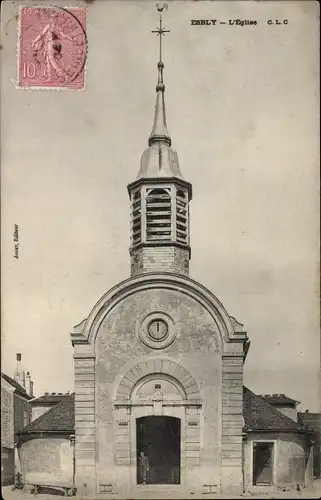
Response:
column 8, row 493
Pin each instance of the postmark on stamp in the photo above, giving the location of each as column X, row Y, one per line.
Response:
column 52, row 48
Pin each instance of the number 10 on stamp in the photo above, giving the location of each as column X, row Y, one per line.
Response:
column 52, row 47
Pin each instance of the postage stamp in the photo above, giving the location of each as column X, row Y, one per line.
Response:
column 52, row 47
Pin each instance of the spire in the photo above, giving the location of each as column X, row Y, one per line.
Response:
column 159, row 132
column 160, row 196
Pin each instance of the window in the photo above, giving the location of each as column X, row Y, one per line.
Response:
column 263, row 463
column 181, row 217
column 158, row 215
column 136, row 218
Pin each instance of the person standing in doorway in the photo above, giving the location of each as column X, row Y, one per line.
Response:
column 143, row 467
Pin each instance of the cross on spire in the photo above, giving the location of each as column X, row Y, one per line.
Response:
column 160, row 31
column 159, row 132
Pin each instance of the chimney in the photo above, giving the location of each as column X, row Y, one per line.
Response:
column 29, row 385
column 19, row 374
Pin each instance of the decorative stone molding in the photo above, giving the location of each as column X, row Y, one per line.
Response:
column 230, row 329
column 157, row 366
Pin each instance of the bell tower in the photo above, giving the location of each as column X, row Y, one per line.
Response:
column 160, row 196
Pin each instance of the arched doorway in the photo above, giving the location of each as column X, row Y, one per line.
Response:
column 162, row 397
column 158, row 445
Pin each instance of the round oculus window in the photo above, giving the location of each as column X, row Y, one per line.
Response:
column 158, row 329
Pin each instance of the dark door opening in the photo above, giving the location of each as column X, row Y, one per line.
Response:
column 262, row 463
column 158, row 450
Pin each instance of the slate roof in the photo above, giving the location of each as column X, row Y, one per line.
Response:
column 60, row 418
column 50, row 399
column 19, row 388
column 258, row 416
column 278, row 399
column 261, row 416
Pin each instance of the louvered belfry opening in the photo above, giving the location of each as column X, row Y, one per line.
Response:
column 136, row 217
column 181, row 216
column 158, row 215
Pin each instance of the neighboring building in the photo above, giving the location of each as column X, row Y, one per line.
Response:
column 44, row 403
column 277, row 449
column 15, row 415
column 312, row 421
column 46, row 444
column 7, row 432
column 281, row 402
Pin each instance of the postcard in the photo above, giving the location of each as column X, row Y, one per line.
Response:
column 160, row 249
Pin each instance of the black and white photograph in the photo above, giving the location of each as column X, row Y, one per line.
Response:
column 160, row 326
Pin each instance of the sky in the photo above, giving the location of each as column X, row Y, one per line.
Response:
column 241, row 107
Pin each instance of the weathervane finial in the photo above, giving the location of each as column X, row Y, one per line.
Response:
column 161, row 32
column 161, row 7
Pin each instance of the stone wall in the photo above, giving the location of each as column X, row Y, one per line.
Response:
column 7, row 418
column 159, row 258
column 53, row 456
column 196, row 348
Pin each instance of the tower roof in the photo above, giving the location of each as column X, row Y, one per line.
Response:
column 159, row 159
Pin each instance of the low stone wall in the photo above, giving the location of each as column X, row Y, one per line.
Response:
column 47, row 455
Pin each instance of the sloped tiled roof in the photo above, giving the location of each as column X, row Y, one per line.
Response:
column 60, row 418
column 259, row 415
column 278, row 399
column 50, row 399
column 19, row 388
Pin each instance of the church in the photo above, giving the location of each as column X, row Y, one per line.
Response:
column 159, row 406
column 159, row 361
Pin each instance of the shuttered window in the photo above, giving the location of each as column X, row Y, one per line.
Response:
column 136, row 218
column 181, row 217
column 158, row 215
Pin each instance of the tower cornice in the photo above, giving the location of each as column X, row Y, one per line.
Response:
column 156, row 181
column 146, row 244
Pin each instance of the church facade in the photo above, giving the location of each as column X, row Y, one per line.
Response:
column 158, row 363
column 159, row 370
